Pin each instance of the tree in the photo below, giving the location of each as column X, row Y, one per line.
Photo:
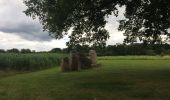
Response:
column 25, row 51
column 145, row 19
column 56, row 50
column 14, row 50
column 2, row 51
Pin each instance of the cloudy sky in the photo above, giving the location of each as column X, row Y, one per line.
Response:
column 19, row 31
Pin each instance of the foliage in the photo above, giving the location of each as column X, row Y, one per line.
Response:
column 2, row 51
column 146, row 20
column 25, row 51
column 14, row 50
column 56, row 50
column 131, row 49
column 29, row 62
column 87, row 18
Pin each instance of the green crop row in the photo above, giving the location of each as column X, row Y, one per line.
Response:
column 29, row 62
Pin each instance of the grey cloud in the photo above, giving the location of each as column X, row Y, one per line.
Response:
column 27, row 31
column 42, row 36
column 14, row 21
column 21, row 28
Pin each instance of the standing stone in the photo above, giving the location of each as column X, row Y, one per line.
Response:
column 65, row 67
column 85, row 62
column 93, row 56
column 74, row 61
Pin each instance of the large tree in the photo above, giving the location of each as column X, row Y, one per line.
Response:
column 147, row 20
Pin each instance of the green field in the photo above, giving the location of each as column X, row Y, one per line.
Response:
column 29, row 62
column 124, row 78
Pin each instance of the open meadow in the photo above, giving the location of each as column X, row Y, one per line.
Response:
column 118, row 78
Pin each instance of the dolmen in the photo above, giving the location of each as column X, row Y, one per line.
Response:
column 78, row 61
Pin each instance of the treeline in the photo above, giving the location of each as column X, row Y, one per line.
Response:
column 14, row 50
column 110, row 50
column 132, row 49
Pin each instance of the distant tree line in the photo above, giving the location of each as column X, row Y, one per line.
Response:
column 134, row 49
column 124, row 49
column 110, row 50
column 15, row 50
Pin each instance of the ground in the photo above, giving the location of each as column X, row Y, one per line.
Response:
column 116, row 79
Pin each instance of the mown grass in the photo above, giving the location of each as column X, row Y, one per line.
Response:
column 134, row 58
column 114, row 80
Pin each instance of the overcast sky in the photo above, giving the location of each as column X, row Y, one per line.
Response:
column 19, row 31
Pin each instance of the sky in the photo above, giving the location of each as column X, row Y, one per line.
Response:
column 20, row 31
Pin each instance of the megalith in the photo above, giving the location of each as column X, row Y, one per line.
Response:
column 93, row 57
column 74, row 61
column 65, row 67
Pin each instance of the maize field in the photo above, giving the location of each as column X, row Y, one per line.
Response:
column 29, row 62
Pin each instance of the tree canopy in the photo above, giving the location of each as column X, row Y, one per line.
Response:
column 146, row 20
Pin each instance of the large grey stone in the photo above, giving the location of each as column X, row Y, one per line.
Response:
column 93, row 57
column 65, row 64
column 74, row 61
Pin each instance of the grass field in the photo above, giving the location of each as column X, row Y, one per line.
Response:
column 116, row 79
